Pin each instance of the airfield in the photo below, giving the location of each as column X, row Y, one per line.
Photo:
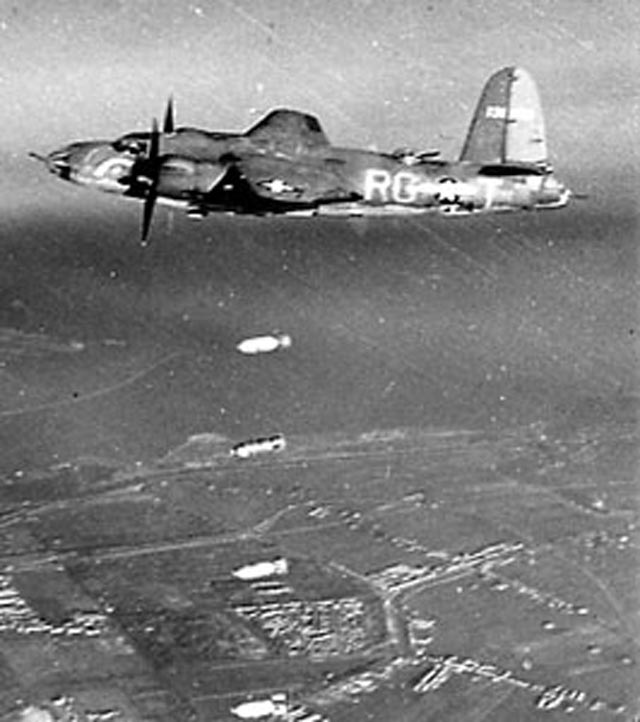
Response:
column 456, row 502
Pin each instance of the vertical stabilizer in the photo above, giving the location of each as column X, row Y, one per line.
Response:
column 507, row 126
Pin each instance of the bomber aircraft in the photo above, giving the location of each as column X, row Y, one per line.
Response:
column 284, row 164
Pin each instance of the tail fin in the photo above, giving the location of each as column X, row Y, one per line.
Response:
column 507, row 126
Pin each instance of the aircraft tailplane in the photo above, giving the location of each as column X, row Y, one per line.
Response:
column 507, row 126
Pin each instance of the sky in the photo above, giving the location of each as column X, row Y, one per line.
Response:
column 377, row 73
column 555, row 300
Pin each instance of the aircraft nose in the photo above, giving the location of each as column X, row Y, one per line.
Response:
column 65, row 162
column 58, row 162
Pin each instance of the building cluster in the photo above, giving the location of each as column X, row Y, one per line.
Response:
column 401, row 576
column 548, row 696
column 102, row 715
column 17, row 615
column 356, row 685
column 315, row 628
column 302, row 713
column 63, row 708
column 364, row 682
column 500, row 583
column 420, row 632
column 567, row 700
column 489, row 553
column 271, row 588
column 357, row 521
column 443, row 667
column 596, row 540
column 432, row 679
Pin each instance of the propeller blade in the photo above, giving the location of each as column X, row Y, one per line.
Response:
column 168, row 124
column 149, row 205
column 152, row 166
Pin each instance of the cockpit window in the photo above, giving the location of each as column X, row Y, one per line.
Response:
column 312, row 124
column 131, row 144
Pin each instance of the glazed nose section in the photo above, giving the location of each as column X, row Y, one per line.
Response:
column 64, row 162
column 70, row 161
column 58, row 162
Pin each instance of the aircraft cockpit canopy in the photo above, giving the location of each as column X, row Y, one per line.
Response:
column 132, row 143
column 409, row 156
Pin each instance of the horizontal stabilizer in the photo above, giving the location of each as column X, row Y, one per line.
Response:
column 507, row 126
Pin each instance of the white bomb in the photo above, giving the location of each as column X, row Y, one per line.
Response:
column 264, row 344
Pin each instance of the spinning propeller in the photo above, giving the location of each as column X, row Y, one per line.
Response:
column 145, row 172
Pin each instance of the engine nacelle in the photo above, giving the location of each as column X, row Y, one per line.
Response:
column 181, row 176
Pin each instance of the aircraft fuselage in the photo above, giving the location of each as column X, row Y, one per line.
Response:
column 194, row 162
column 284, row 164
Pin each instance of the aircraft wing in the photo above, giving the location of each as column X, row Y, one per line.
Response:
column 302, row 180
column 264, row 184
column 231, row 192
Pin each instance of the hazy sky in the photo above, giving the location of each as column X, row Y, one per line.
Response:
column 378, row 72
